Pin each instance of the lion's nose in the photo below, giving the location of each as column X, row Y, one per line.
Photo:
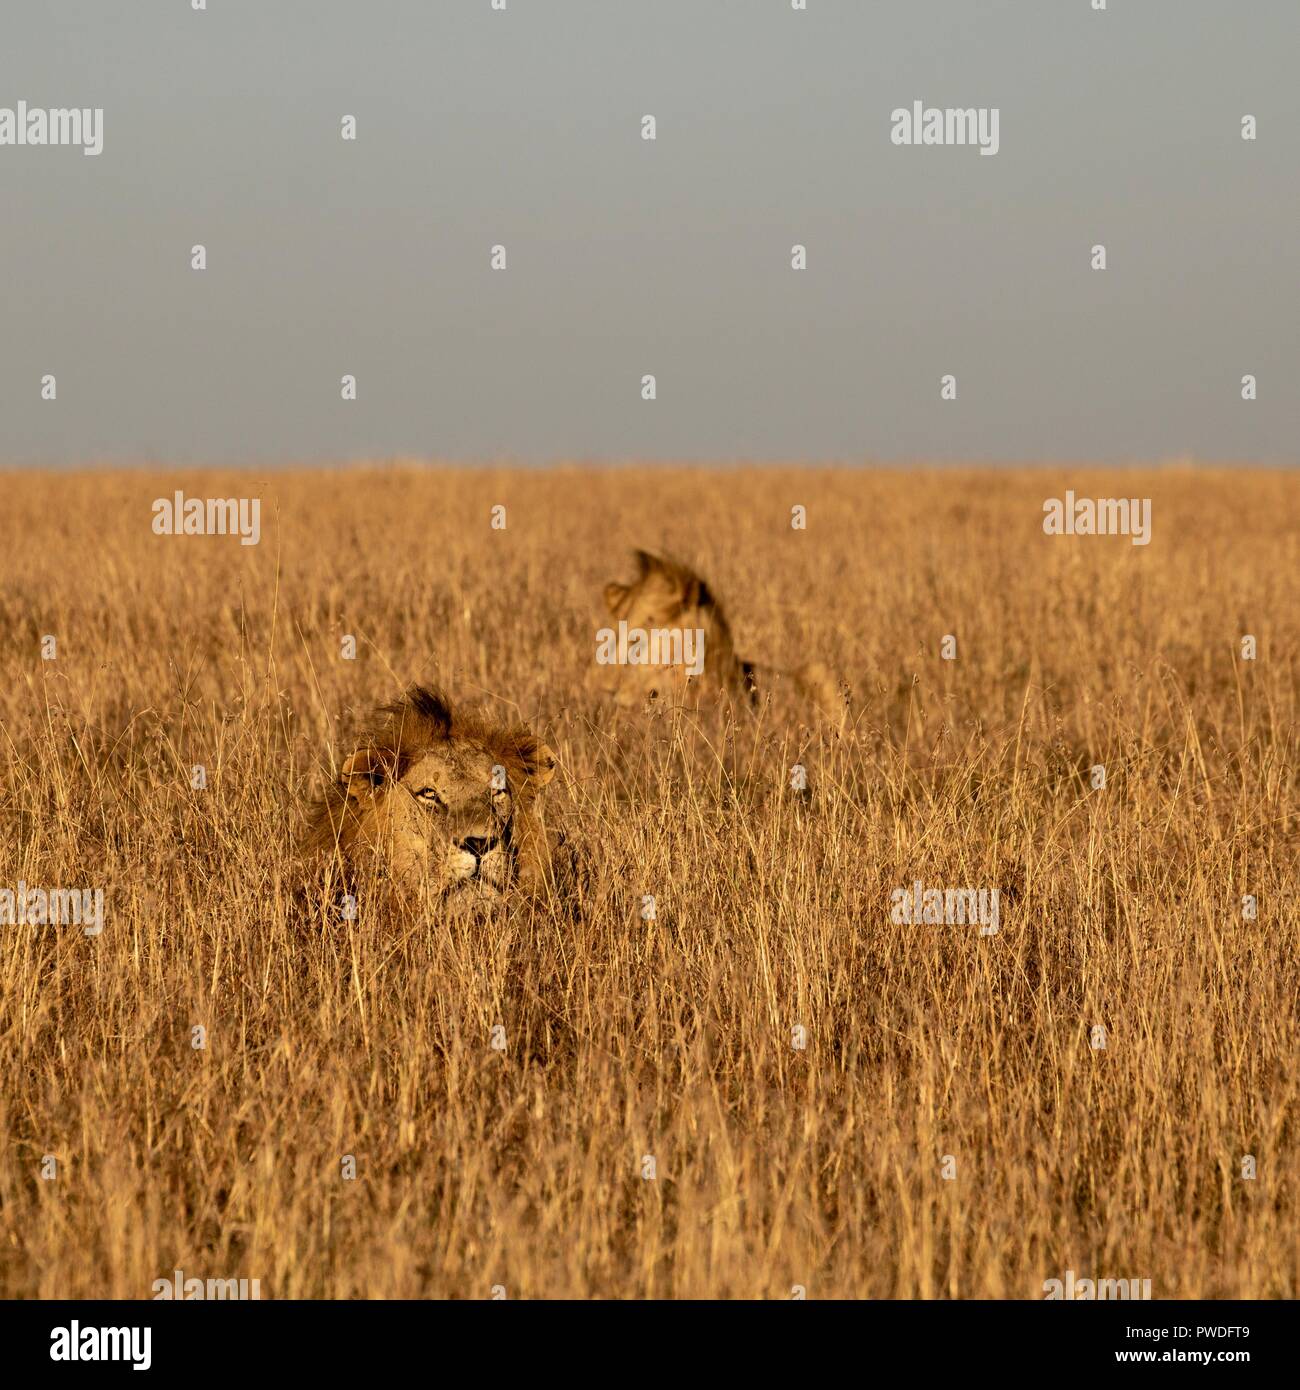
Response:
column 477, row 845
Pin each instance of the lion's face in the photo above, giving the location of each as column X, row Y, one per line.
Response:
column 444, row 824
column 668, row 599
column 443, row 806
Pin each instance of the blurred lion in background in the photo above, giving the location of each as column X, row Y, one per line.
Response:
column 673, row 607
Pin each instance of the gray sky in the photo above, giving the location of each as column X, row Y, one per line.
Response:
column 628, row 257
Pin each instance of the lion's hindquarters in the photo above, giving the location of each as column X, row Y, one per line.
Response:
column 818, row 684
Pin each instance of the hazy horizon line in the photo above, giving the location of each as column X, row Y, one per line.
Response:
column 417, row 462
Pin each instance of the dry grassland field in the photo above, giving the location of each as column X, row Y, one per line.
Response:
column 834, row 1101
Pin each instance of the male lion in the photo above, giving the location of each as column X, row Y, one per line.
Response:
column 670, row 602
column 441, row 804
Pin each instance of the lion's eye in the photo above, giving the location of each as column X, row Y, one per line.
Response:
column 500, row 791
column 428, row 794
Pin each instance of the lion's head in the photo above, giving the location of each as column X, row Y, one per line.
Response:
column 669, row 602
column 673, row 606
column 441, row 803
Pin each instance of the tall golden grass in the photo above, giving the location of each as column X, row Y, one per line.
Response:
column 776, row 1167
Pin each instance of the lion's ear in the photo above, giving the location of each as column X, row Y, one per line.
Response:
column 697, row 594
column 649, row 562
column 614, row 595
column 365, row 772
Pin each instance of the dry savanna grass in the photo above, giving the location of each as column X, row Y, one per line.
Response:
column 826, row 1166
